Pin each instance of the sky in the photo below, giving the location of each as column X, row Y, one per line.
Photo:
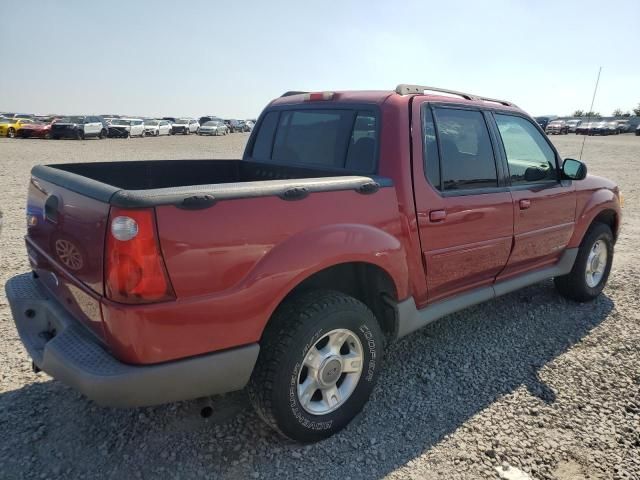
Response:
column 230, row 58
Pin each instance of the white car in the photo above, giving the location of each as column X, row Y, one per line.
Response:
column 126, row 127
column 155, row 128
column 214, row 127
column 185, row 126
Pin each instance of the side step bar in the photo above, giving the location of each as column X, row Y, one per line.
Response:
column 411, row 319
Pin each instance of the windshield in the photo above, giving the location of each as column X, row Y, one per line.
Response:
column 331, row 138
column 119, row 122
column 182, row 121
column 152, row 123
column 556, row 122
column 211, row 124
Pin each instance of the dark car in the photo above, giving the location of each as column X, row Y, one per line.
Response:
column 79, row 127
column 542, row 121
column 573, row 125
column 209, row 118
column 236, row 126
column 584, row 128
column 601, row 128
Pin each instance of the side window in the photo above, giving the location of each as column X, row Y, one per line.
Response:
column 362, row 145
column 467, row 159
column 264, row 140
column 530, row 158
column 430, row 148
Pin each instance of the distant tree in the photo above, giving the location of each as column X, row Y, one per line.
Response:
column 626, row 114
column 637, row 110
column 578, row 113
column 617, row 112
column 593, row 114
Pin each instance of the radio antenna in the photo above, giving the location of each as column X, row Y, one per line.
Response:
column 591, row 109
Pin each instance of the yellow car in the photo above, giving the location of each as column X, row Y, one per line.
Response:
column 9, row 126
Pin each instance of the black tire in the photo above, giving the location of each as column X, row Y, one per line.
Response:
column 297, row 325
column 103, row 134
column 574, row 285
column 79, row 134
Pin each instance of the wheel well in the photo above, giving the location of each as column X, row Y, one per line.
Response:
column 367, row 282
column 610, row 218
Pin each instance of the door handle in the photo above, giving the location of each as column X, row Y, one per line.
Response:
column 437, row 215
column 524, row 204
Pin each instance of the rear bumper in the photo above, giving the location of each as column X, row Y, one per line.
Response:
column 64, row 349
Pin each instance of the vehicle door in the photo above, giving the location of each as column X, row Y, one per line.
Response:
column 464, row 207
column 544, row 205
column 90, row 126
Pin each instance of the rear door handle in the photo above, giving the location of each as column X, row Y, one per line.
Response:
column 437, row 215
column 524, row 204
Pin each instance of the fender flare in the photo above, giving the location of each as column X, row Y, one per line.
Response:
column 601, row 200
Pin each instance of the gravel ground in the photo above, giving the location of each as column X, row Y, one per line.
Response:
column 526, row 386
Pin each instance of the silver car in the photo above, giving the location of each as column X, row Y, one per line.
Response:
column 214, row 127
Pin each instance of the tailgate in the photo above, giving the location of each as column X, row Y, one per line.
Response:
column 65, row 243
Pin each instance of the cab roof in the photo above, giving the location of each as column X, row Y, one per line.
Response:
column 404, row 90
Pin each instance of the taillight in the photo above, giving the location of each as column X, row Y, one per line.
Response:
column 134, row 268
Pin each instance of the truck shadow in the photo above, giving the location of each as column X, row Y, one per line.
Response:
column 434, row 381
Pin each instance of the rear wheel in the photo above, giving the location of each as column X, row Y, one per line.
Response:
column 320, row 357
column 103, row 134
column 592, row 266
column 79, row 134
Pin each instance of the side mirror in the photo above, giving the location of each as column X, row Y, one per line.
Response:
column 574, row 169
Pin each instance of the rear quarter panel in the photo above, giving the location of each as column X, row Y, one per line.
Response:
column 232, row 264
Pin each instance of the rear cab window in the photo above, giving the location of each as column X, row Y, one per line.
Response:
column 331, row 138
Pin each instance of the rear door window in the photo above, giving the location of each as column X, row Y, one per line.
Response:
column 330, row 138
column 467, row 160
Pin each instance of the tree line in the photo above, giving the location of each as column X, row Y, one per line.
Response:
column 616, row 113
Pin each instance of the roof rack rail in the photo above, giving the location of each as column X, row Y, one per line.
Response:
column 291, row 92
column 407, row 89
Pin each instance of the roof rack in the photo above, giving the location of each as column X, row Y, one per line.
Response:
column 291, row 92
column 406, row 89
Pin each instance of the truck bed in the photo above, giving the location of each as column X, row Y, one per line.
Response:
column 186, row 183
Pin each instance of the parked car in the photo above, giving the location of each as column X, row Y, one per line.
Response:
column 78, row 127
column 288, row 271
column 214, row 127
column 155, row 128
column 23, row 115
column 573, row 125
column 9, row 127
column 584, row 128
column 543, row 121
column 236, row 126
column 185, row 126
column 208, row 118
column 622, row 126
column 601, row 128
column 36, row 129
column 248, row 125
column 557, row 127
column 126, row 128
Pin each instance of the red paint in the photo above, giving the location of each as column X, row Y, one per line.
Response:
column 231, row 265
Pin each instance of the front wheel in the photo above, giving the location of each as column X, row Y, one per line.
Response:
column 592, row 266
column 320, row 357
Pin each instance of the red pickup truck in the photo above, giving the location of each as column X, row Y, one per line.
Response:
column 354, row 218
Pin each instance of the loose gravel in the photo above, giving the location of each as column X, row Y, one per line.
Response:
column 528, row 386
